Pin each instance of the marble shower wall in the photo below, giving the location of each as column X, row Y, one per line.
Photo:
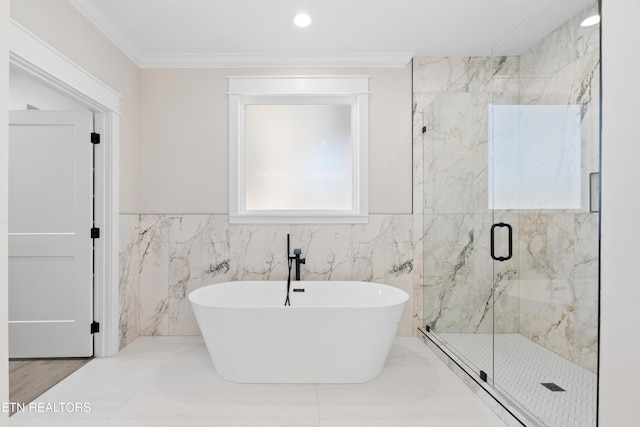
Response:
column 458, row 278
column 559, row 249
column 548, row 291
column 164, row 257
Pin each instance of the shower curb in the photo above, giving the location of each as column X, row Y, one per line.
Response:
column 509, row 413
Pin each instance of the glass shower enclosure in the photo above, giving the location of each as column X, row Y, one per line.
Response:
column 511, row 222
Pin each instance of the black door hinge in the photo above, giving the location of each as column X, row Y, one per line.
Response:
column 95, row 233
column 95, row 138
column 424, row 129
column 95, row 327
column 483, row 376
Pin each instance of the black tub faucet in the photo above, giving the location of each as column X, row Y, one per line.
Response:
column 290, row 259
column 297, row 253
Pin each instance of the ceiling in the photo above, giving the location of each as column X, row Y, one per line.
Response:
column 230, row 33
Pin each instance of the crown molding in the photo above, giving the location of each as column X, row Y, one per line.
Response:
column 92, row 12
column 269, row 60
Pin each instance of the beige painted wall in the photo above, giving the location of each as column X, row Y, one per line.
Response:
column 184, row 138
column 4, row 211
column 619, row 290
column 75, row 37
column 173, row 152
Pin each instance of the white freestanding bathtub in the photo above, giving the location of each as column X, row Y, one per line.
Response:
column 333, row 332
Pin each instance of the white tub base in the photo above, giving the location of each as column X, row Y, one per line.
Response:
column 334, row 332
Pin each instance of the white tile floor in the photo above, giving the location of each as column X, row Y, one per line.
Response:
column 521, row 366
column 170, row 381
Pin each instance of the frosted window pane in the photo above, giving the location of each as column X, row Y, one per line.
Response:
column 298, row 157
column 534, row 156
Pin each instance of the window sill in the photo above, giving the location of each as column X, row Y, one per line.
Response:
column 312, row 218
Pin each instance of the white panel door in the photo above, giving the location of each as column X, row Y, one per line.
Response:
column 50, row 245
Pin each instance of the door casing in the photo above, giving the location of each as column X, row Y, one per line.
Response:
column 40, row 61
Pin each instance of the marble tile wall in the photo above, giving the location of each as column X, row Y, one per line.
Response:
column 164, row 257
column 129, row 283
column 548, row 290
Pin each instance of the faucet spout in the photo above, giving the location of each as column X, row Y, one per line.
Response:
column 299, row 260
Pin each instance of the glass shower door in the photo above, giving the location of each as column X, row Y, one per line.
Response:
column 511, row 222
column 543, row 161
column 458, row 305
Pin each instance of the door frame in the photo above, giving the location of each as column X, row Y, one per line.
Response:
column 42, row 62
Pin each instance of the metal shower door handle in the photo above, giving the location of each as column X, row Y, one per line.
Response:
column 493, row 228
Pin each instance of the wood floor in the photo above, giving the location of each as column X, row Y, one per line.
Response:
column 29, row 378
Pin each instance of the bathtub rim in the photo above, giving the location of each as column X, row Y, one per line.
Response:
column 400, row 297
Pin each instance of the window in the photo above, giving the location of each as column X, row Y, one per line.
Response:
column 298, row 149
column 534, row 156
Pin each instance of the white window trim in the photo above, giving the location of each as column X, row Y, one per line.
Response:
column 246, row 90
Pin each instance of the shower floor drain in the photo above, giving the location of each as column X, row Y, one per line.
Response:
column 553, row 386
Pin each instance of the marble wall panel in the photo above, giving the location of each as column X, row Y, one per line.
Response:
column 586, row 323
column 547, row 314
column 383, row 253
column 129, row 283
column 554, row 52
column 423, row 179
column 481, row 178
column 327, row 251
column 154, row 274
column 555, row 89
column 436, row 75
column 496, row 295
column 483, row 276
column 489, row 74
column 547, row 272
column 448, row 272
column 449, row 140
column 586, row 261
column 586, row 289
column 549, row 263
column 259, row 252
column 480, row 129
column 180, row 253
column 422, row 199
column 586, row 93
column 547, row 245
column 198, row 256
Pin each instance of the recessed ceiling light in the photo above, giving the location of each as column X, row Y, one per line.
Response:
column 302, row 20
column 592, row 20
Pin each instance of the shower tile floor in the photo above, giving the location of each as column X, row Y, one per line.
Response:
column 170, row 381
column 521, row 366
